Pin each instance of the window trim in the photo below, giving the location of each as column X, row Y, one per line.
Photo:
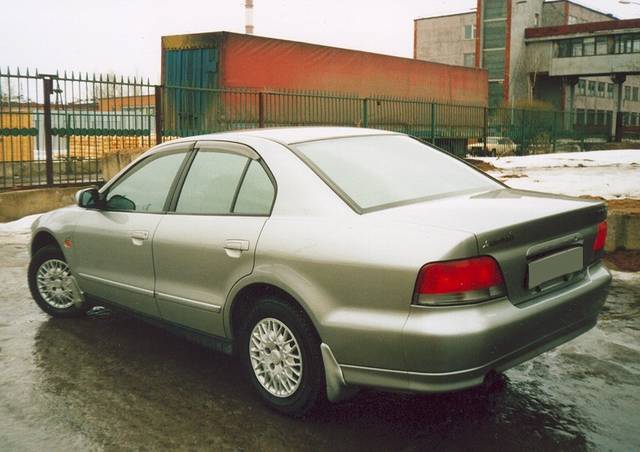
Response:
column 184, row 146
column 226, row 147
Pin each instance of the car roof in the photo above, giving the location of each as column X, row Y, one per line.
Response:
column 291, row 135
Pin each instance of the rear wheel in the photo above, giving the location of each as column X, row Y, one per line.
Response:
column 281, row 353
column 52, row 285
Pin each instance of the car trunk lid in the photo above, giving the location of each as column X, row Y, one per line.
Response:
column 520, row 229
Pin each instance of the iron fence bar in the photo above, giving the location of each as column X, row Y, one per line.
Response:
column 261, row 110
column 47, row 89
column 159, row 112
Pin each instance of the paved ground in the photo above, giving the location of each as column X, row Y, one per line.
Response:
column 110, row 383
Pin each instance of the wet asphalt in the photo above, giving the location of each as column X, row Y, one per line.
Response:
column 114, row 383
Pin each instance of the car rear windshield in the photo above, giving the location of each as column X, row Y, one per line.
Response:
column 373, row 172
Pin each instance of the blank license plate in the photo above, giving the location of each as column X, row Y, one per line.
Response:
column 554, row 266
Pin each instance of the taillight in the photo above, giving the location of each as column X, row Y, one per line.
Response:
column 601, row 237
column 460, row 281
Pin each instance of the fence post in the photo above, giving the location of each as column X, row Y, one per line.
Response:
column 159, row 112
column 525, row 147
column 261, row 110
column 554, row 129
column 47, row 82
column 485, row 131
column 433, row 122
column 365, row 112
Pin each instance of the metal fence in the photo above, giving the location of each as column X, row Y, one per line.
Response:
column 56, row 128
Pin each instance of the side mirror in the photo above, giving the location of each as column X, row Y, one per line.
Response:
column 89, row 198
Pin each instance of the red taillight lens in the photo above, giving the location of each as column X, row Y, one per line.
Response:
column 601, row 236
column 467, row 280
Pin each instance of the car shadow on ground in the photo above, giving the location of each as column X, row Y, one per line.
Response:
column 123, row 383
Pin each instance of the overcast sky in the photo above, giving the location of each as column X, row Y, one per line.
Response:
column 123, row 36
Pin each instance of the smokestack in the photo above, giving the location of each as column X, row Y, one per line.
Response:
column 248, row 17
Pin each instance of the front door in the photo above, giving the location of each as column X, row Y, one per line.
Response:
column 207, row 242
column 112, row 250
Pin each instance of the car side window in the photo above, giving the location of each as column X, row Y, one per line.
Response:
column 145, row 187
column 211, row 184
column 256, row 193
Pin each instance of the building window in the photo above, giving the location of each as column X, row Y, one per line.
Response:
column 609, row 117
column 470, row 59
column 592, row 88
column 602, row 45
column 635, row 94
column 582, row 88
column 495, row 9
column 493, row 62
column 536, row 20
column 610, row 90
column 591, row 117
column 627, row 93
column 576, row 47
column 634, row 119
column 600, row 117
column 469, row 32
column 589, row 46
column 580, row 117
column 601, row 86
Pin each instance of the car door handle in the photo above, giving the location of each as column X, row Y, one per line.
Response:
column 236, row 245
column 139, row 235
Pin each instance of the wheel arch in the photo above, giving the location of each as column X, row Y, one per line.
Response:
column 246, row 297
column 41, row 239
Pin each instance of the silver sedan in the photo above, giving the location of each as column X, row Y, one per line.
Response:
column 329, row 259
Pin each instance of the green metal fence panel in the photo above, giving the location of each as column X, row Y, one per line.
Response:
column 60, row 125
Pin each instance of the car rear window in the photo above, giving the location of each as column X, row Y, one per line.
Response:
column 372, row 172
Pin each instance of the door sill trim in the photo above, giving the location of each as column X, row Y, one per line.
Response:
column 189, row 302
column 119, row 285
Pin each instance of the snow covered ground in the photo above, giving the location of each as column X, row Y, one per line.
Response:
column 609, row 174
column 21, row 226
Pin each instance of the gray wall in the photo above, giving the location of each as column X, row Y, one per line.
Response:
column 441, row 39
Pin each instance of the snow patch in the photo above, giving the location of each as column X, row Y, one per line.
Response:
column 21, row 225
column 622, row 157
column 607, row 174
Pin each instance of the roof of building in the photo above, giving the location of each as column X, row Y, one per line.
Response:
column 447, row 15
column 583, row 6
column 589, row 27
column 546, row 1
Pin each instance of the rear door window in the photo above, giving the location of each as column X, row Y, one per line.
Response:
column 211, row 184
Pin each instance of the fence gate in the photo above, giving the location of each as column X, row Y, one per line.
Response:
column 55, row 128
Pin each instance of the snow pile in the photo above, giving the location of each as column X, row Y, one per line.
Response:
column 23, row 225
column 622, row 157
column 607, row 174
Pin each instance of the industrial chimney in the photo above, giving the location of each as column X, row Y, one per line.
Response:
column 248, row 17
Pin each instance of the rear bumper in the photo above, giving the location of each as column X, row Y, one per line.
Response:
column 454, row 348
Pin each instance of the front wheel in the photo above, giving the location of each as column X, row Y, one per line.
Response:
column 281, row 353
column 52, row 286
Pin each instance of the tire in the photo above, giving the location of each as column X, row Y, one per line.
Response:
column 306, row 390
column 493, row 153
column 51, row 264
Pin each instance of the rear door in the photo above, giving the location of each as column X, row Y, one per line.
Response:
column 207, row 242
column 112, row 246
